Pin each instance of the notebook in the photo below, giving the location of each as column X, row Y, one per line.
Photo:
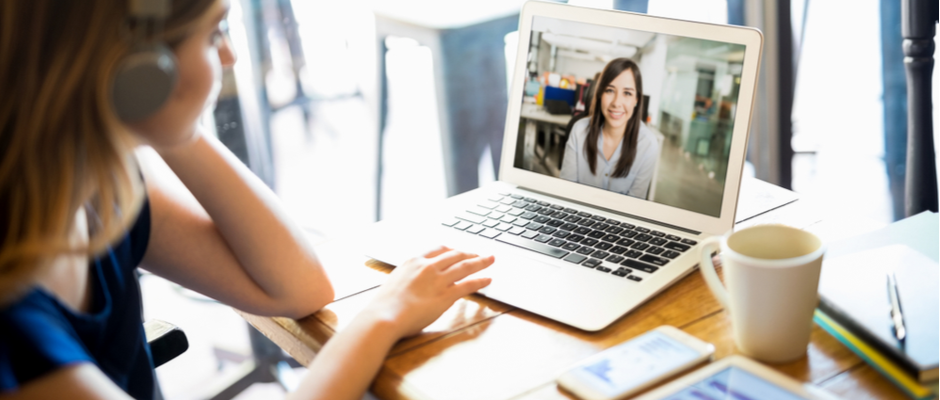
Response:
column 853, row 291
column 585, row 247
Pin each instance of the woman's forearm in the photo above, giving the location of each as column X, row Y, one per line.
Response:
column 271, row 249
column 348, row 362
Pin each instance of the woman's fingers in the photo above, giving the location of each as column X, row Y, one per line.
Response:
column 469, row 286
column 443, row 261
column 467, row 267
column 436, row 251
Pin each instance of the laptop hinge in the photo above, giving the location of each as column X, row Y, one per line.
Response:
column 637, row 217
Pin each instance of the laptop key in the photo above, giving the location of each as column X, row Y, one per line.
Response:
column 534, row 246
column 516, row 230
column 618, row 249
column 600, row 226
column 625, row 242
column 658, row 241
column 586, row 222
column 543, row 238
column 557, row 243
column 520, row 204
column 634, row 278
column 546, row 211
column 556, row 207
column 515, row 212
column 634, row 254
column 585, row 250
column 548, row 230
column 596, row 234
column 575, row 258
column 602, row 269
column 496, row 215
column 671, row 254
column 533, row 207
column 534, row 226
column 516, row 196
column 629, row 234
column 615, row 259
column 528, row 215
column 529, row 199
column 568, row 227
column 508, row 219
column 640, row 266
column 507, row 201
column 676, row 246
column 627, row 226
column 640, row 246
column 673, row 238
column 555, row 223
column 561, row 234
column 589, row 242
column 654, row 260
column 504, row 209
column 582, row 230
column 572, row 218
column 689, row 242
column 543, row 203
column 475, row 229
column 614, row 230
column 592, row 263
column 520, row 222
column 450, row 222
column 490, row 223
column 575, row 238
column 642, row 237
column 600, row 255
column 599, row 218
column 613, row 222
column 657, row 234
column 478, row 211
column 655, row 250
column 603, row 246
column 488, row 204
column 610, row 238
column 642, row 229
column 584, row 214
column 571, row 246
column 462, row 225
column 476, row 219
column 530, row 234
column 620, row 272
column 570, row 210
column 503, row 227
column 491, row 233
column 495, row 198
column 541, row 219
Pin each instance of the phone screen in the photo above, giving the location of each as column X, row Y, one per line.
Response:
column 636, row 362
column 734, row 383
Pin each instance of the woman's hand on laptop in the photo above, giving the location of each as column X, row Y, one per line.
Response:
column 421, row 289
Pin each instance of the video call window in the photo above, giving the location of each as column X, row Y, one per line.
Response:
column 666, row 105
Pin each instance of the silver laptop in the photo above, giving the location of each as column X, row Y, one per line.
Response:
column 585, row 245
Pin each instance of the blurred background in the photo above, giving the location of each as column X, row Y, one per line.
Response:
column 359, row 111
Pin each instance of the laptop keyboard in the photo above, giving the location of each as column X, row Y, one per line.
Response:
column 592, row 241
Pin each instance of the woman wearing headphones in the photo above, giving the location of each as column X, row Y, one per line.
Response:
column 613, row 149
column 77, row 215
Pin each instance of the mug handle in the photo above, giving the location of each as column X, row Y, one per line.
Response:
column 708, row 271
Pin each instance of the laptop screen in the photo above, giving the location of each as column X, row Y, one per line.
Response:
column 642, row 114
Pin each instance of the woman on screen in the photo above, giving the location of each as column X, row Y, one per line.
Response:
column 612, row 149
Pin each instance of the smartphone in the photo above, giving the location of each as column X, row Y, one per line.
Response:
column 630, row 367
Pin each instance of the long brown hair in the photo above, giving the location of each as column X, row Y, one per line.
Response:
column 628, row 153
column 62, row 148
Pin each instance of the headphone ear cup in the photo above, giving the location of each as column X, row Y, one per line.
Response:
column 144, row 81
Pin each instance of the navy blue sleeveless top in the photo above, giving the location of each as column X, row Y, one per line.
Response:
column 39, row 335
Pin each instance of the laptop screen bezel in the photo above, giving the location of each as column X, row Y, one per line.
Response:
column 751, row 38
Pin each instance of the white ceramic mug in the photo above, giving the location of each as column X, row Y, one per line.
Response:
column 772, row 276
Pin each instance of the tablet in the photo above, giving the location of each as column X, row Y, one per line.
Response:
column 740, row 378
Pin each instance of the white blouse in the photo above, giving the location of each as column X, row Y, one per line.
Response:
column 575, row 167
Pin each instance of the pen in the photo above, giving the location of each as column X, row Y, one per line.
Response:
column 897, row 319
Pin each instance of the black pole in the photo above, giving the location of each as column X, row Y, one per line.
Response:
column 918, row 27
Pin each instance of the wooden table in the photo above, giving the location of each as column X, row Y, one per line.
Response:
column 484, row 349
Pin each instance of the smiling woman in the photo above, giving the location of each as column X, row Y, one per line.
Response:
column 613, row 149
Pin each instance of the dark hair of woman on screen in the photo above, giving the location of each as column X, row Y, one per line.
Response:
column 613, row 149
column 91, row 188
